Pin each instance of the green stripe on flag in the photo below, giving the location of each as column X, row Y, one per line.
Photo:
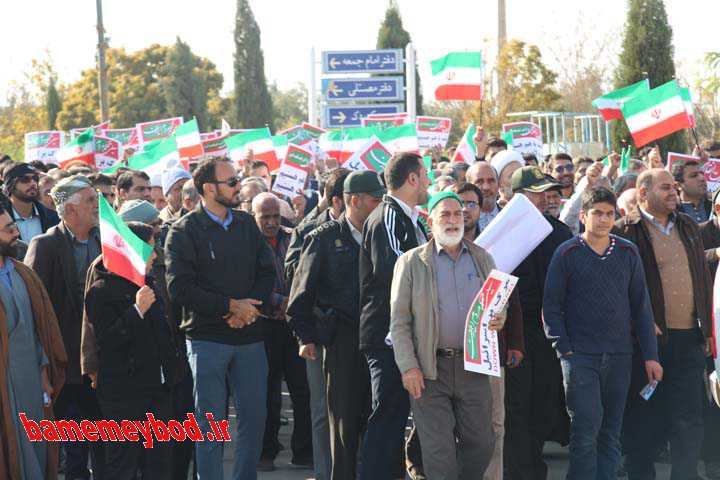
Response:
column 241, row 139
column 646, row 101
column 187, row 127
column 630, row 90
column 393, row 133
column 456, row 60
column 108, row 215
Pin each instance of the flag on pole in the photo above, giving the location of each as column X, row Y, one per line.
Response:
column 82, row 149
column 466, row 151
column 458, row 76
column 689, row 108
column 123, row 253
column 656, row 113
column 402, row 138
column 331, row 143
column 161, row 156
column 280, row 143
column 188, row 141
column 610, row 103
column 353, row 140
column 259, row 141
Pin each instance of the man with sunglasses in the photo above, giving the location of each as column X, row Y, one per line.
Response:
column 562, row 169
column 220, row 270
column 23, row 201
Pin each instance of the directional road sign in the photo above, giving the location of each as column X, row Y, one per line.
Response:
column 363, row 61
column 352, row 115
column 346, row 89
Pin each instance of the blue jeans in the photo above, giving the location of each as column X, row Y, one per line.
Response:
column 382, row 451
column 596, row 388
column 244, row 367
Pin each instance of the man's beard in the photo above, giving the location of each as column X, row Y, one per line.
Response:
column 9, row 249
column 26, row 197
column 449, row 239
column 231, row 202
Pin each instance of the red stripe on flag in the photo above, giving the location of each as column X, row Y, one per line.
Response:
column 659, row 130
column 116, row 262
column 191, row 151
column 87, row 158
column 458, row 92
column 268, row 157
column 611, row 114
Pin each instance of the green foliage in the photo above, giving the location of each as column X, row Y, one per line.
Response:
column 647, row 52
column 253, row 106
column 289, row 106
column 393, row 35
column 53, row 104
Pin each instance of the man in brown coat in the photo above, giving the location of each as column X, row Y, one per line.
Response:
column 32, row 363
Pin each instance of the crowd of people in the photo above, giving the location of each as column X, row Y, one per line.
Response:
column 358, row 300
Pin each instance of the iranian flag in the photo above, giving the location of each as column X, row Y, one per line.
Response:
column 280, row 143
column 331, row 143
column 689, row 108
column 259, row 140
column 353, row 140
column 402, row 138
column 610, row 103
column 656, row 113
column 188, row 140
column 458, row 76
column 82, row 149
column 123, row 253
column 466, row 150
column 162, row 155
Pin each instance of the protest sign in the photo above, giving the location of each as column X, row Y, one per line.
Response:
column 302, row 134
column 98, row 129
column 157, row 129
column 432, row 131
column 126, row 136
column 514, row 233
column 526, row 137
column 290, row 179
column 107, row 152
column 214, row 147
column 711, row 167
column 43, row 146
column 372, row 156
column 481, row 346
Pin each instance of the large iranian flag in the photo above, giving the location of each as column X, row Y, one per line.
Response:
column 656, row 113
column 259, row 140
column 689, row 108
column 123, row 253
column 161, row 156
column 188, row 140
column 466, row 150
column 353, row 139
column 82, row 149
column 610, row 103
column 458, row 76
column 331, row 143
column 402, row 138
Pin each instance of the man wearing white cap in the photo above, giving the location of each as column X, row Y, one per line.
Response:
column 505, row 163
column 173, row 180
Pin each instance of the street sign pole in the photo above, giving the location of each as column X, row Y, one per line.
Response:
column 312, row 105
column 410, row 97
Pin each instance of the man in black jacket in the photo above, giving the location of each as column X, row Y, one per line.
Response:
column 535, row 404
column 220, row 270
column 23, row 201
column 392, row 229
column 327, row 280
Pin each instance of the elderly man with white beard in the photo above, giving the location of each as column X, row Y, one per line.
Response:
column 427, row 330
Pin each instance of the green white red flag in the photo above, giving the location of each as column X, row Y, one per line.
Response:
column 458, row 76
column 609, row 104
column 188, row 141
column 466, row 151
column 258, row 140
column 353, row 140
column 98, row 129
column 123, row 253
column 331, row 143
column 689, row 107
column 402, row 138
column 160, row 155
column 82, row 149
column 280, row 143
column 656, row 113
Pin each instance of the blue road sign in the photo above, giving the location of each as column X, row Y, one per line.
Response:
column 363, row 61
column 351, row 116
column 383, row 88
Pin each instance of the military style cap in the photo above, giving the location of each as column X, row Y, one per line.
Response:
column 533, row 180
column 365, row 181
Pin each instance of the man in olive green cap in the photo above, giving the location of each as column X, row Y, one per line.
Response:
column 61, row 258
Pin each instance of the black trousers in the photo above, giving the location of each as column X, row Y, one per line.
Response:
column 711, row 414
column 674, row 413
column 283, row 361
column 348, row 397
column 124, row 459
column 79, row 402
column 534, row 408
column 182, row 403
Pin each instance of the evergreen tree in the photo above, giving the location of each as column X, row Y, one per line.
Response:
column 53, row 104
column 647, row 52
column 253, row 106
column 393, row 35
column 184, row 85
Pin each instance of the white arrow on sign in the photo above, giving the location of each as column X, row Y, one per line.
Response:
column 340, row 117
column 333, row 63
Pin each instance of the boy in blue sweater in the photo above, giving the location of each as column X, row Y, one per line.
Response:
column 595, row 307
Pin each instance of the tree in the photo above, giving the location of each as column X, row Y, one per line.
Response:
column 184, row 84
column 253, row 106
column 137, row 85
column 289, row 106
column 647, row 52
column 53, row 104
column 707, row 89
column 393, row 35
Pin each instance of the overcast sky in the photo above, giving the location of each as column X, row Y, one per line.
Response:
column 290, row 28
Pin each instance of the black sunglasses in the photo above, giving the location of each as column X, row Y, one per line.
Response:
column 230, row 182
column 29, row 178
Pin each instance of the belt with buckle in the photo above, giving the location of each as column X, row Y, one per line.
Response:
column 449, row 352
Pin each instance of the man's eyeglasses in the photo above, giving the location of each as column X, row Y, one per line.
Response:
column 230, row 182
column 471, row 205
column 9, row 228
column 564, row 168
column 29, row 178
